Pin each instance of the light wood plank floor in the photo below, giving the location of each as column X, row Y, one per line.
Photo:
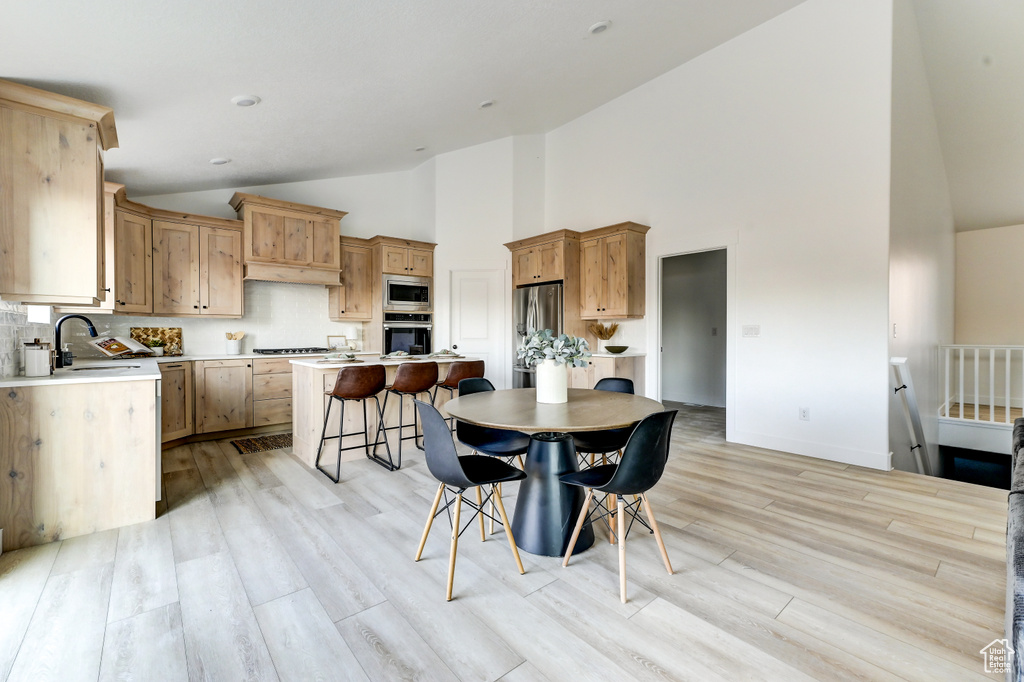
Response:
column 787, row 568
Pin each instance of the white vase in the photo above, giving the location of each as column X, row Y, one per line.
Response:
column 158, row 351
column 552, row 382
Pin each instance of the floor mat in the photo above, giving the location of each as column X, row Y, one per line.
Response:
column 247, row 446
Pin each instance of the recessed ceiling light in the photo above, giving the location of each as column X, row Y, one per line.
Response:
column 599, row 27
column 487, row 104
column 219, row 161
column 245, row 100
column 419, row 149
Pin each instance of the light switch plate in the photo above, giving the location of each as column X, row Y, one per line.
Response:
column 751, row 331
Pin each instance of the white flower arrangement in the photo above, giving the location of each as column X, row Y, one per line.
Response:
column 543, row 345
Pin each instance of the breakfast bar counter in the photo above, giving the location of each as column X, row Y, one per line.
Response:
column 313, row 379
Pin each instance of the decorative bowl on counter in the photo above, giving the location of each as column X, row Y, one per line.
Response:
column 615, row 349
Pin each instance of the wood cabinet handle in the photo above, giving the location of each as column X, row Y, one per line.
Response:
column 195, row 306
column 205, row 307
column 173, row 366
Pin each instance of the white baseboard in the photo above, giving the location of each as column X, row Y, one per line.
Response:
column 826, row 451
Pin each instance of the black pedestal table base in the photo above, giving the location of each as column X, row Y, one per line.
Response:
column 546, row 508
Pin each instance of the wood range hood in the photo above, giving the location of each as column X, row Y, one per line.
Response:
column 289, row 242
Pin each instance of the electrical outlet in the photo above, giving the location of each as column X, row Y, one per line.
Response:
column 751, row 331
column 805, row 414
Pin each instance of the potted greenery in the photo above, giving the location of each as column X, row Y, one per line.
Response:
column 157, row 346
column 553, row 355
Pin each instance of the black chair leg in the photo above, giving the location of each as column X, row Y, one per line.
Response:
column 323, row 432
column 388, row 463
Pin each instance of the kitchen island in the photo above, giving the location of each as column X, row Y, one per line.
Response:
column 312, row 379
column 79, row 451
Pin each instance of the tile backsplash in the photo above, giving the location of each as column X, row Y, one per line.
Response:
column 277, row 315
column 15, row 330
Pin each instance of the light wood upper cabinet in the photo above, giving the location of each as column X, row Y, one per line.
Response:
column 289, row 242
column 176, row 268
column 223, row 395
column 51, row 196
column 220, row 271
column 353, row 300
column 613, row 272
column 403, row 260
column 133, row 263
column 538, row 264
column 175, row 400
column 421, row 263
column 197, row 269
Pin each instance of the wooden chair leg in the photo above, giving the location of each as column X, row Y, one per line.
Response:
column 480, row 514
column 455, row 546
column 579, row 527
column 622, row 549
column 519, row 458
column 657, row 532
column 611, row 519
column 508, row 531
column 592, row 459
column 430, row 520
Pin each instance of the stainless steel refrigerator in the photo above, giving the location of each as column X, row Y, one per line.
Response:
column 533, row 308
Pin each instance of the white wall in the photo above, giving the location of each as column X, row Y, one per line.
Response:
column 693, row 316
column 921, row 240
column 989, row 279
column 778, row 140
column 474, row 218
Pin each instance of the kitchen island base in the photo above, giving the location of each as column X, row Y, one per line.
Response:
column 77, row 458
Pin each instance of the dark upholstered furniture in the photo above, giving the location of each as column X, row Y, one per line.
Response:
column 1015, row 555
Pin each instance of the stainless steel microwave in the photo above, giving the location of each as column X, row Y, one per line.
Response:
column 403, row 293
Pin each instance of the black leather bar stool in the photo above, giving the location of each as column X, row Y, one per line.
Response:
column 357, row 384
column 411, row 379
column 457, row 371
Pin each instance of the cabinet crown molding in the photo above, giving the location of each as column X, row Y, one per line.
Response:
column 122, row 201
column 102, row 116
column 396, row 241
column 240, row 199
column 557, row 235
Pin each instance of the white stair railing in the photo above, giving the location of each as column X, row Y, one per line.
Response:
column 980, row 379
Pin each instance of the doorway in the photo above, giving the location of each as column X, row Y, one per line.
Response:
column 693, row 328
column 479, row 314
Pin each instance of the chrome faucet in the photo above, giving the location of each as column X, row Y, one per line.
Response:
column 64, row 360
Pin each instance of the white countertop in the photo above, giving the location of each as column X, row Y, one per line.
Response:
column 623, row 354
column 193, row 357
column 374, row 360
column 92, row 372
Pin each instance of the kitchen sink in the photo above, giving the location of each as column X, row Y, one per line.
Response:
column 104, row 369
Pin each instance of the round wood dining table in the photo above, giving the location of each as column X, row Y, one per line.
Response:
column 545, row 507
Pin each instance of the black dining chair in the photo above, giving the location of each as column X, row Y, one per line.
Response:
column 502, row 443
column 606, row 441
column 457, row 475
column 639, row 469
column 495, row 442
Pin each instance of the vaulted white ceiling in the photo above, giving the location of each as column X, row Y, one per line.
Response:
column 354, row 87
column 974, row 55
column 348, row 87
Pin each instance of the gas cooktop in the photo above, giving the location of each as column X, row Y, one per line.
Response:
column 290, row 351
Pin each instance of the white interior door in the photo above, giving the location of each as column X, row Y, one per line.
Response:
column 479, row 318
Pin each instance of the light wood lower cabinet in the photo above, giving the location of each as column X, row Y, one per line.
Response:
column 272, row 392
column 175, row 400
column 223, row 395
column 623, row 366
